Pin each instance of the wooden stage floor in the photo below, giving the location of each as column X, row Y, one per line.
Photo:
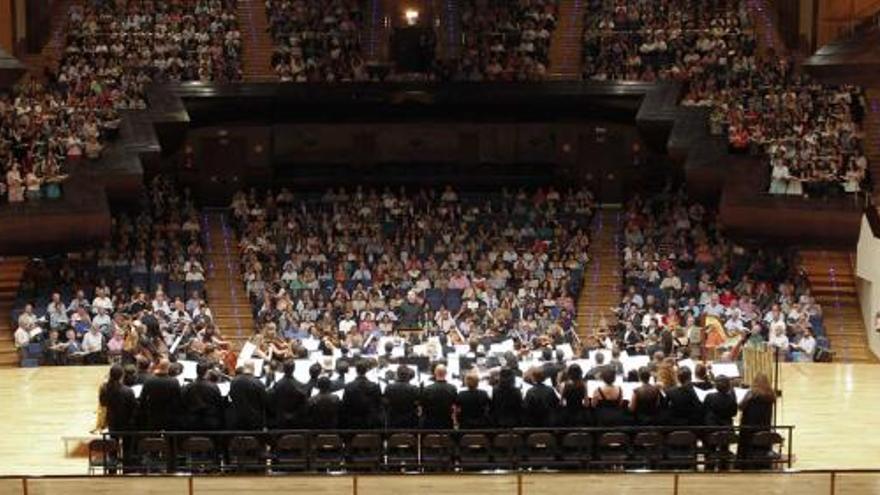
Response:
column 834, row 408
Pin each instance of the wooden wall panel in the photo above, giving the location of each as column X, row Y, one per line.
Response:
column 856, row 483
column 437, row 485
column 765, row 484
column 11, row 486
column 301, row 485
column 606, row 484
column 108, row 486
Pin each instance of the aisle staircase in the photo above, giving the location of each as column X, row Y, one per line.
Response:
column 11, row 270
column 50, row 55
column 225, row 290
column 766, row 31
column 566, row 47
column 602, row 284
column 832, row 280
column 450, row 36
column 258, row 47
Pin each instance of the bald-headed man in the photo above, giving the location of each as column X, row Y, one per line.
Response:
column 160, row 399
column 437, row 401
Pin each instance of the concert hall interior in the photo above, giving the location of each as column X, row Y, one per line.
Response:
column 373, row 246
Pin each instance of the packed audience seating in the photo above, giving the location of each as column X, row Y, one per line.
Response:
column 506, row 41
column 350, row 264
column 317, row 40
column 113, row 50
column 809, row 132
column 689, row 290
column 132, row 296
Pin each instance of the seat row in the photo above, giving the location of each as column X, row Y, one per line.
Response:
column 442, row 452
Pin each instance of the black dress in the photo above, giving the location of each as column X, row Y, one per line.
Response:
column 757, row 415
column 609, row 412
column 574, row 412
column 507, row 405
column 648, row 408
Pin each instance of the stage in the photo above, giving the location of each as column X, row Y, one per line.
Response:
column 831, row 405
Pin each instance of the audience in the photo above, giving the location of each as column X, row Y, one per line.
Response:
column 129, row 299
column 808, row 131
column 506, row 40
column 317, row 40
column 685, row 280
column 113, row 51
column 350, row 267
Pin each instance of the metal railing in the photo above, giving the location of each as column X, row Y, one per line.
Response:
column 680, row 448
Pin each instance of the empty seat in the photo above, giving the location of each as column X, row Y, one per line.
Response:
column 438, row 451
column 577, row 449
column 152, row 455
column 198, row 454
column 506, row 450
column 290, row 453
column 402, row 451
column 716, row 448
column 327, row 452
column 103, row 456
column 365, row 451
column 647, row 449
column 473, row 450
column 612, row 449
column 246, row 453
column 681, row 450
column 540, row 450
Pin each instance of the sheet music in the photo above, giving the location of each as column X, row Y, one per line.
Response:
column 189, row 369
column 247, row 351
column 730, row 370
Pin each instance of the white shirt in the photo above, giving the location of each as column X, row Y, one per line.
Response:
column 22, row 338
column 103, row 302
column 92, row 342
column 345, row 325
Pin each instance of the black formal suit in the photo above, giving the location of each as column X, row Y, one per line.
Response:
column 324, row 411
column 362, row 404
column 160, row 403
column 288, row 404
column 720, row 409
column 685, row 407
column 401, row 405
column 437, row 401
column 121, row 407
column 474, row 407
column 541, row 406
column 249, row 401
column 507, row 405
column 203, row 406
